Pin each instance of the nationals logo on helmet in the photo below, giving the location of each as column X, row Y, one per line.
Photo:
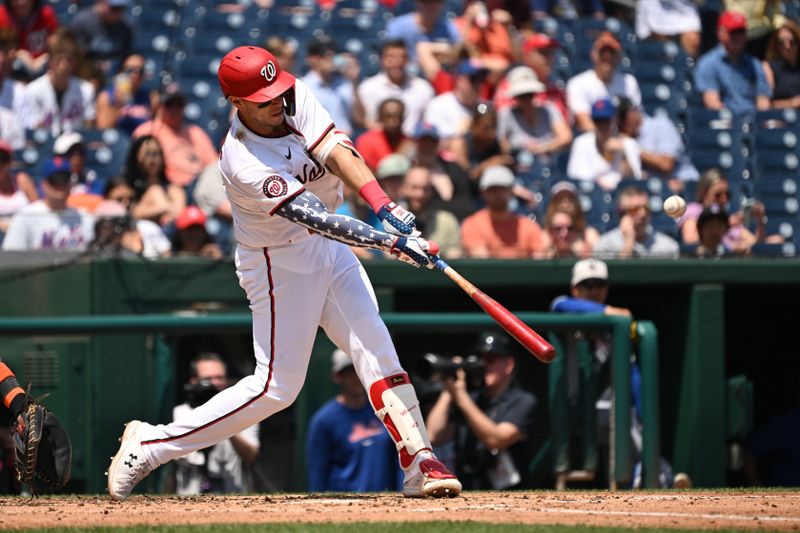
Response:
column 275, row 186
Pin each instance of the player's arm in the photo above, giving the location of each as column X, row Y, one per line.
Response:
column 337, row 152
column 308, row 210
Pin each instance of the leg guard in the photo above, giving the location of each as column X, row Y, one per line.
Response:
column 395, row 402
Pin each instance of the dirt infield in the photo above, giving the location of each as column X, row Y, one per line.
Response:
column 694, row 509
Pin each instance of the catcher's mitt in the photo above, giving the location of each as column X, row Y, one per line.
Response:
column 43, row 451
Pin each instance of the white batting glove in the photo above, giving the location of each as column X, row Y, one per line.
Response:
column 398, row 221
column 415, row 251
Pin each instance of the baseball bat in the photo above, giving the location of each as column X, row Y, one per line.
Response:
column 532, row 341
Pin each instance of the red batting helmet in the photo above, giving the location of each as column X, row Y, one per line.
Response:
column 253, row 74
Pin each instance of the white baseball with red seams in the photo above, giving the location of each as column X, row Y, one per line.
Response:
column 675, row 206
column 297, row 281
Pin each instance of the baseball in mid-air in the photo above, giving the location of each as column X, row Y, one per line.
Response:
column 675, row 206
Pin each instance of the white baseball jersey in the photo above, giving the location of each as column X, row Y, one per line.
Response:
column 37, row 227
column 260, row 174
column 296, row 281
column 45, row 111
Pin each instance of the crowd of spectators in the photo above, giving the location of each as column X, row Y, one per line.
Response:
column 469, row 122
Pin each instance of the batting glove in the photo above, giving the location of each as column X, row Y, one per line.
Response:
column 415, row 251
column 398, row 221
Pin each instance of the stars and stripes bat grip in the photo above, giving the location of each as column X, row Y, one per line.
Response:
column 532, row 341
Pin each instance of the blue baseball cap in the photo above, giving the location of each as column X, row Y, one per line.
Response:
column 57, row 165
column 471, row 68
column 603, row 109
column 424, row 129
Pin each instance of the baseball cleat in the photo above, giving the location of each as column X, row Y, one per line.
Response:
column 431, row 479
column 129, row 466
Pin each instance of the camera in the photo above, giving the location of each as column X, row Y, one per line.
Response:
column 199, row 393
column 434, row 367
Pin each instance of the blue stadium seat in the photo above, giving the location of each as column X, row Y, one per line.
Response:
column 588, row 29
column 106, row 151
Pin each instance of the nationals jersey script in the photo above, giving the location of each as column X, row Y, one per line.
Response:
column 260, row 173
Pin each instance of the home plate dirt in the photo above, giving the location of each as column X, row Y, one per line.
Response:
column 677, row 509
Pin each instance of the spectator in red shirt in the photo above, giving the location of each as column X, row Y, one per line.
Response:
column 34, row 22
column 387, row 138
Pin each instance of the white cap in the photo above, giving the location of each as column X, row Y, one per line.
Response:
column 496, row 176
column 589, row 269
column 65, row 141
column 523, row 80
column 340, row 361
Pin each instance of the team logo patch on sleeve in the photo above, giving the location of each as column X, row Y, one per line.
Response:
column 275, row 186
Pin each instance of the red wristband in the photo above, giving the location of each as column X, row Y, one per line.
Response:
column 373, row 194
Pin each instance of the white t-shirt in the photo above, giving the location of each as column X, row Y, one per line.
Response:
column 261, row 174
column 154, row 241
column 586, row 162
column 586, row 88
column 448, row 115
column 12, row 96
column 11, row 129
column 224, row 464
column 36, row 227
column 77, row 105
column 666, row 17
column 415, row 94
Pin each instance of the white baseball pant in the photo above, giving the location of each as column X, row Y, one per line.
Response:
column 292, row 289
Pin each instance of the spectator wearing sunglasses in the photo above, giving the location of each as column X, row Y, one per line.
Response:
column 713, row 190
column 49, row 224
column 562, row 237
column 635, row 237
column 187, row 148
column 126, row 104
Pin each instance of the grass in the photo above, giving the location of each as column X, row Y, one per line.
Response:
column 381, row 527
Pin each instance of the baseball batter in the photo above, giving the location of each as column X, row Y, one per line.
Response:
column 283, row 165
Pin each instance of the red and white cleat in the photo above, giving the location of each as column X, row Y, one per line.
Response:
column 431, row 479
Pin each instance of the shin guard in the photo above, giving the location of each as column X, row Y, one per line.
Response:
column 395, row 403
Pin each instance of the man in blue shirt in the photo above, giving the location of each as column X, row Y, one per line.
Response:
column 335, row 91
column 348, row 448
column 425, row 23
column 727, row 76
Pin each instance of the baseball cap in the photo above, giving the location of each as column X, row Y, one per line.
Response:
column 607, row 39
column 589, row 269
column 562, row 186
column 496, row 176
column 252, row 73
column 471, row 68
column 320, row 46
column 66, row 141
column 54, row 167
column 426, row 130
column 732, row 21
column 523, row 80
column 393, row 165
column 493, row 343
column 339, row 361
column 603, row 109
column 191, row 216
column 539, row 41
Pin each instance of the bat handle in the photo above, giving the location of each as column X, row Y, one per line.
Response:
column 439, row 263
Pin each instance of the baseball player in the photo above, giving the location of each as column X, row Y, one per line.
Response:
column 283, row 165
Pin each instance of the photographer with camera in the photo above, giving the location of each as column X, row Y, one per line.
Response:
column 220, row 469
column 489, row 424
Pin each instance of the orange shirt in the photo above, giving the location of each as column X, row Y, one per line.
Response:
column 515, row 238
column 186, row 152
